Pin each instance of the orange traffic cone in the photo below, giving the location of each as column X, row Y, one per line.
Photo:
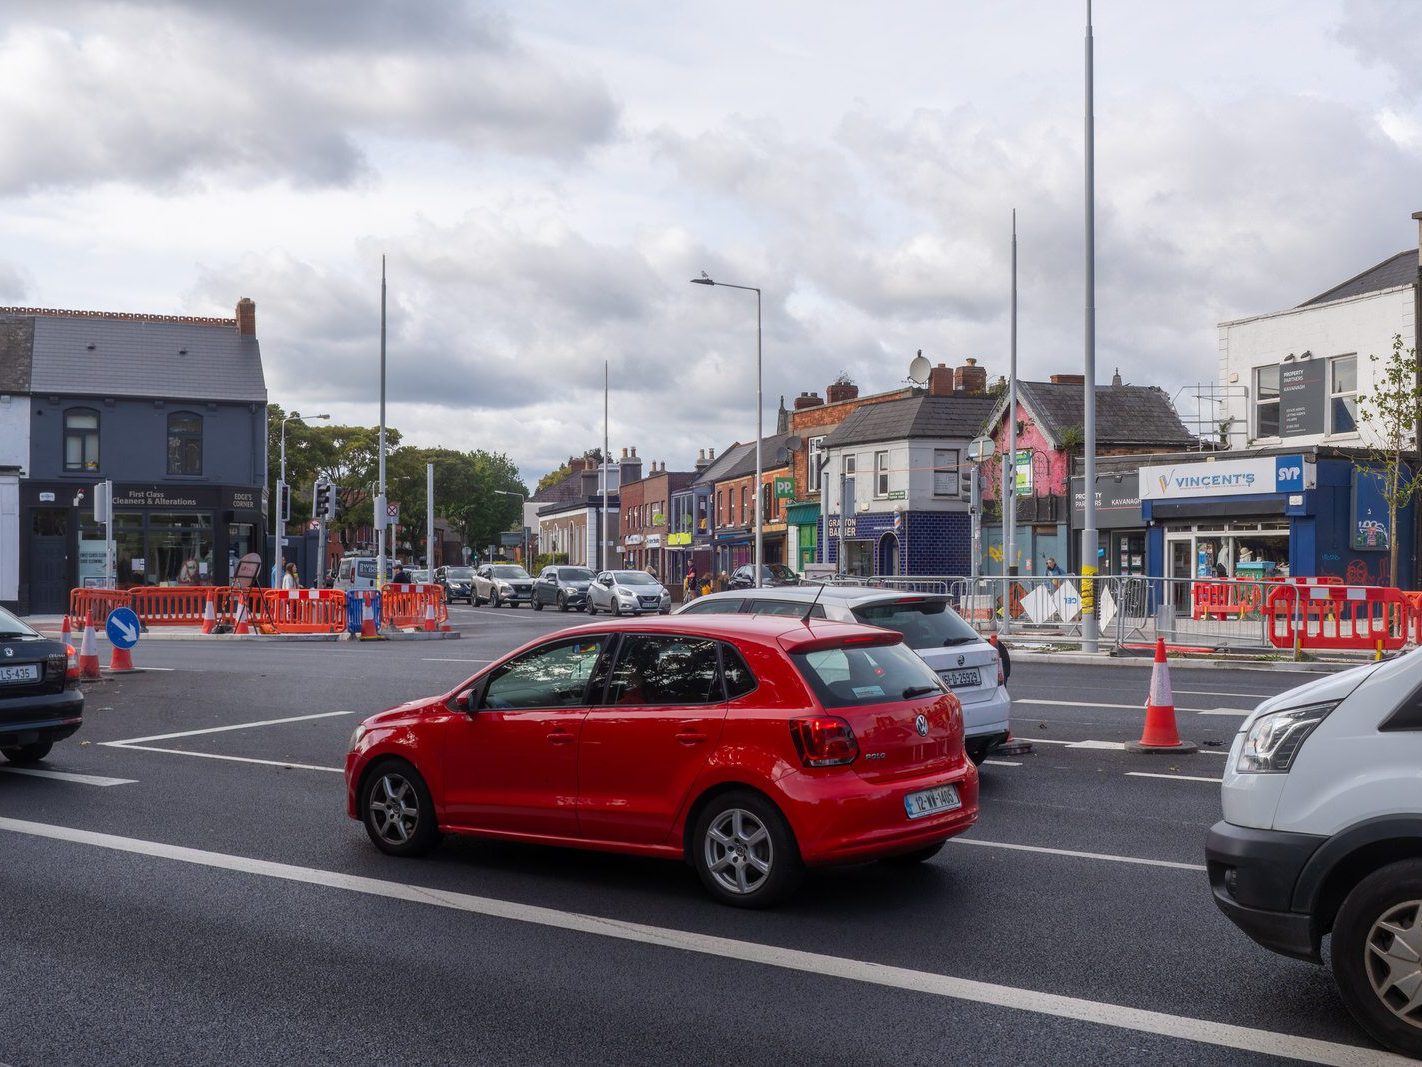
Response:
column 209, row 616
column 121, row 661
column 429, row 618
column 241, row 619
column 64, row 634
column 1160, row 734
column 367, row 620
column 89, row 650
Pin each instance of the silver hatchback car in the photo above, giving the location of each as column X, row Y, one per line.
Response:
column 971, row 667
column 628, row 593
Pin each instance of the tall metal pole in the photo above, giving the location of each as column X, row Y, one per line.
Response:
column 429, row 519
column 381, row 516
column 1090, row 634
column 1009, row 532
column 281, row 516
column 602, row 544
column 759, row 433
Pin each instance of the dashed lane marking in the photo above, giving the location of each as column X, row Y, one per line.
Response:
column 1176, row 777
column 68, row 776
column 134, row 741
column 440, row 659
column 1107, row 746
column 1078, row 1009
column 1127, row 707
column 1000, row 763
column 1073, row 854
column 231, row 759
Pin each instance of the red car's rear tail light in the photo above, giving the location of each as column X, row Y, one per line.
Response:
column 71, row 670
column 824, row 741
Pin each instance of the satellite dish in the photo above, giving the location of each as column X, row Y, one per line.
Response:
column 794, row 443
column 919, row 368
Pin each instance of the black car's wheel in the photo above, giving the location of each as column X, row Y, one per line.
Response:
column 744, row 851
column 1377, row 954
column 398, row 811
column 537, row 604
column 31, row 753
column 918, row 855
column 494, row 601
column 475, row 600
column 562, row 602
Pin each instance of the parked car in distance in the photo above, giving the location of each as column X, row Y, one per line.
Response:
column 1322, row 835
column 771, row 574
column 928, row 624
column 457, row 583
column 40, row 701
column 750, row 747
column 419, row 575
column 564, row 586
column 502, row 583
column 627, row 593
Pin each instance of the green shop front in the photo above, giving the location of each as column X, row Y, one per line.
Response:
column 802, row 531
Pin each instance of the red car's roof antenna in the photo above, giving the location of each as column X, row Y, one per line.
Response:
column 811, row 608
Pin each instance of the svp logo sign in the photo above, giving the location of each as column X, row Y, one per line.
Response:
column 1289, row 474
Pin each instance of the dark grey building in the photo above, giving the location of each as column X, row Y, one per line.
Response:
column 173, row 411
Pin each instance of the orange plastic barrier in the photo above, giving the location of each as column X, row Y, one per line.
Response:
column 1225, row 599
column 404, row 605
column 303, row 611
column 98, row 601
column 1360, row 618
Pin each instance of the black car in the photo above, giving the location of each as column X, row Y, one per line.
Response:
column 40, row 701
column 565, row 586
column 457, row 583
column 770, row 574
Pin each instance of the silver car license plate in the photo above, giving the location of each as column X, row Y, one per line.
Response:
column 29, row 672
column 932, row 801
column 964, row 679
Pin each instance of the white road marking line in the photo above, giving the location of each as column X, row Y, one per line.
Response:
column 1079, row 1009
column 66, row 776
column 1098, row 704
column 1222, row 693
column 1177, row 777
column 232, row 759
column 1226, row 711
column 224, row 729
column 439, row 659
column 1116, row 746
column 1000, row 763
column 1109, row 746
column 1079, row 855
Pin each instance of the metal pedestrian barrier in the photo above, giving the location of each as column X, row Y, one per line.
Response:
column 303, row 611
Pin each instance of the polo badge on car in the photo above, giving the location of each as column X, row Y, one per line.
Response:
column 921, row 725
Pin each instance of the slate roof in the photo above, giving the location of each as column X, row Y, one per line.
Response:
column 17, row 339
column 1400, row 269
column 919, row 416
column 1126, row 415
column 716, row 470
column 569, row 487
column 773, row 453
column 136, row 356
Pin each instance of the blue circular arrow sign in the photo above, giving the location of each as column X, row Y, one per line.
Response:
column 122, row 628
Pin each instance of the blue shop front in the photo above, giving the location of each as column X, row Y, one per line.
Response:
column 1271, row 515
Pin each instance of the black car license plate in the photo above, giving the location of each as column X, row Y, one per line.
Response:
column 25, row 672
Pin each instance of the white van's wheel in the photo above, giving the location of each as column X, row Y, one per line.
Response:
column 1377, row 955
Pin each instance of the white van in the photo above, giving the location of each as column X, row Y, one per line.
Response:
column 1322, row 836
column 358, row 572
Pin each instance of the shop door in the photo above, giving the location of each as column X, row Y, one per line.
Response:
column 1182, row 566
column 49, row 561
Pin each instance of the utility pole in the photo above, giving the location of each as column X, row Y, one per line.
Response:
column 1090, row 635
column 1009, row 506
column 429, row 519
column 381, row 515
column 602, row 545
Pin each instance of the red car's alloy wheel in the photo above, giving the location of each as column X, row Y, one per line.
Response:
column 399, row 813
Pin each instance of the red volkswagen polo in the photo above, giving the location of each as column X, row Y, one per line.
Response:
column 751, row 746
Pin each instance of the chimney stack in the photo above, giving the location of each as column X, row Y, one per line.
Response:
column 970, row 379
column 807, row 400
column 247, row 317
column 1418, row 216
column 1116, row 378
column 840, row 390
column 1068, row 379
column 701, row 461
column 940, row 381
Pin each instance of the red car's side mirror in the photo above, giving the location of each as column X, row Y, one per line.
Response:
column 464, row 701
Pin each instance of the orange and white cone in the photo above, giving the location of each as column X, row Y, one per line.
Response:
column 367, row 619
column 64, row 634
column 89, row 650
column 429, row 618
column 241, row 619
column 1160, row 733
column 121, row 661
column 209, row 616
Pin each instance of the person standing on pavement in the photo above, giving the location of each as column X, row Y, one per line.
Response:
column 290, row 580
column 690, row 587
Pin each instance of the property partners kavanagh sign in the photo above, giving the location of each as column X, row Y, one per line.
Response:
column 1228, row 477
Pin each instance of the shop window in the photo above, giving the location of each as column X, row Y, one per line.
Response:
column 812, row 463
column 945, row 472
column 1343, row 394
column 1266, row 401
column 745, row 509
column 881, row 474
column 720, row 507
column 184, row 443
column 81, row 439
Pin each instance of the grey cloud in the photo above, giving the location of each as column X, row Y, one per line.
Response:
column 1387, row 33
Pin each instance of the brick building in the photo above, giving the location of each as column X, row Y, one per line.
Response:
column 646, row 522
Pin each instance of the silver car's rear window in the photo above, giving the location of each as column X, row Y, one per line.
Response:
column 925, row 622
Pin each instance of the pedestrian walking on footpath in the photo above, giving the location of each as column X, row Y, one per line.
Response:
column 290, row 580
column 690, row 586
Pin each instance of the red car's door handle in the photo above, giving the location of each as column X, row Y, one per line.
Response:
column 561, row 737
column 691, row 737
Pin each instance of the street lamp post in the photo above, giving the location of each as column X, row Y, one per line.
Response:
column 521, row 522
column 705, row 279
column 278, row 519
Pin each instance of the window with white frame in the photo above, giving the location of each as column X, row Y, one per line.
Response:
column 1343, row 394
column 881, row 474
column 945, row 472
column 812, row 463
column 1266, row 401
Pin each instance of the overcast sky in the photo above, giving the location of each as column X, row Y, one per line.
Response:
column 546, row 176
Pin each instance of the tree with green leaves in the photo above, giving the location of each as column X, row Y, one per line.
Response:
column 1392, row 411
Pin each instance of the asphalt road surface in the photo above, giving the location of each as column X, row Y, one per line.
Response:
column 182, row 886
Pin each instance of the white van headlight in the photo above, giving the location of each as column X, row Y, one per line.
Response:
column 1274, row 739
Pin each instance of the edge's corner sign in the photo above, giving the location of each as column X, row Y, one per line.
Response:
column 1230, row 477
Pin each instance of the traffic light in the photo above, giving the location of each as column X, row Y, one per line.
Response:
column 965, row 482
column 334, row 508
column 322, row 503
